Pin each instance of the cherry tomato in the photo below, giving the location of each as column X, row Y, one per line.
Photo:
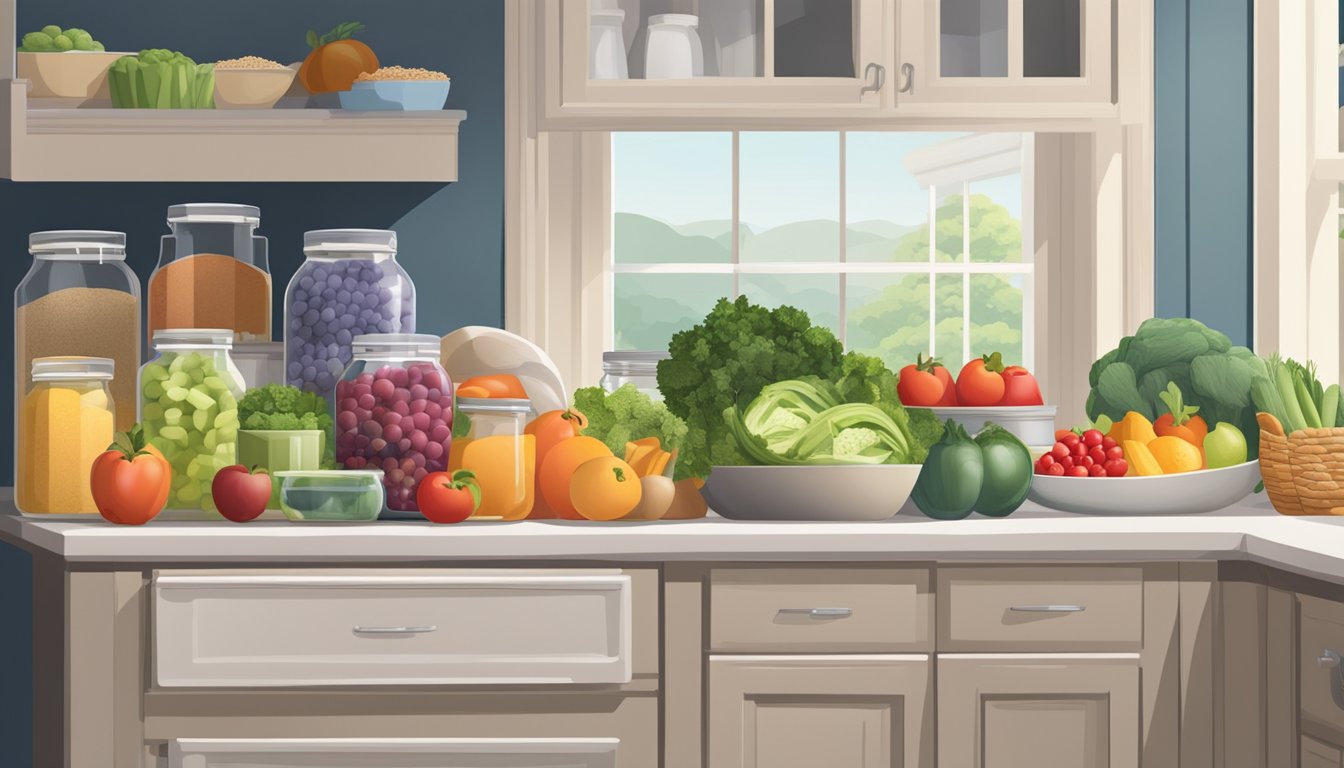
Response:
column 1108, row 443
column 1098, row 455
column 1077, row 472
column 1066, row 463
column 1060, row 434
column 1096, row 470
column 1093, row 438
column 1117, row 468
column 1071, row 439
column 1079, row 450
column 1055, row 469
column 1046, row 460
column 1060, row 451
column 1115, row 452
column 1086, row 461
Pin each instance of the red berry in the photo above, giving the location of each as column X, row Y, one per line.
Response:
column 1060, row 451
column 1055, row 469
column 1096, row 470
column 1115, row 452
column 1098, row 455
column 1108, row 443
column 1092, row 437
column 1077, row 472
column 1079, row 450
column 1066, row 463
column 1071, row 440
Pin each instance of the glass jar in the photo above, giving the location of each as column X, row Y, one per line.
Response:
column 394, row 412
column 213, row 272
column 79, row 298
column 503, row 459
column 189, row 396
column 638, row 368
column 350, row 284
column 66, row 423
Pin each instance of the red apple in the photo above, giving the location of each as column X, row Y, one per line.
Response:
column 241, row 494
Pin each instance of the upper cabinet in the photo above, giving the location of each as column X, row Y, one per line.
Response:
column 646, row 63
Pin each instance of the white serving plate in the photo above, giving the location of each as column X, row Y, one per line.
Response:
column 1034, row 425
column 1187, row 493
column 478, row 350
column 827, row 493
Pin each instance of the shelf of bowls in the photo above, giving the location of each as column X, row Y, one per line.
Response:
column 69, row 68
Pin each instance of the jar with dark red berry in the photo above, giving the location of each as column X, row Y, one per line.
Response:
column 394, row 412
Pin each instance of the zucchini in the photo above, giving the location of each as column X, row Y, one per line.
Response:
column 1330, row 406
column 1305, row 399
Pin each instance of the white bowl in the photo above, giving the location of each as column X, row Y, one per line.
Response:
column 1034, row 425
column 837, row 492
column 75, row 75
column 251, row 88
column 478, row 350
column 1186, row 493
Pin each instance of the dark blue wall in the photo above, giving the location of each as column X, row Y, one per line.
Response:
column 1203, row 136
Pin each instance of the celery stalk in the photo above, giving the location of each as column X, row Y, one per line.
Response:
column 1283, row 379
column 1330, row 406
column 1311, row 416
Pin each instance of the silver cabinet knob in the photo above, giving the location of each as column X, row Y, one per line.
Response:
column 408, row 630
column 1048, row 608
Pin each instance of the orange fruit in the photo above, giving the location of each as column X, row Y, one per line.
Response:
column 558, row 468
column 1175, row 455
column 605, row 488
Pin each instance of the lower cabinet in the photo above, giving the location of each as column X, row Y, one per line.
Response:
column 1027, row 712
column 392, row 753
column 1321, row 685
column 833, row 711
column 1318, row 754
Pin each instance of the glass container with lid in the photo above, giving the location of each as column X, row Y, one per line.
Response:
column 213, row 272
column 638, row 368
column 79, row 298
column 189, row 408
column 350, row 284
column 394, row 412
column 503, row 458
column 66, row 423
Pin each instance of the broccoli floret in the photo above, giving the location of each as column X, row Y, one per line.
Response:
column 277, row 406
column 627, row 415
column 925, row 430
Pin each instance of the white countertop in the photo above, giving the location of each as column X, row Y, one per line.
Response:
column 1311, row 546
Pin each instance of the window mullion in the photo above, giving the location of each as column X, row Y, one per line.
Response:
column 844, row 225
column 737, row 224
column 933, row 280
column 965, row 271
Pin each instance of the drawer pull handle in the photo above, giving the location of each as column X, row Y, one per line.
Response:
column 394, row 630
column 1328, row 658
column 821, row 613
column 1331, row 660
column 1048, row 608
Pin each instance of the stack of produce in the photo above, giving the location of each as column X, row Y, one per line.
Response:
column 983, row 382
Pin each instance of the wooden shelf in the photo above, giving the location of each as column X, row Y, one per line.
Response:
column 223, row 145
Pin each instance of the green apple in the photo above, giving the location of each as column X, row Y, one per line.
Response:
column 1225, row 446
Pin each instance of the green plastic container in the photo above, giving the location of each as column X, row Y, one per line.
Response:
column 281, row 450
column 332, row 495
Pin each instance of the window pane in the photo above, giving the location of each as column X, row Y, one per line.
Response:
column 996, row 219
column 813, row 38
column 947, row 333
column 973, row 38
column 949, row 231
column 1051, row 38
column 817, row 295
column 886, row 209
column 888, row 316
column 672, row 197
column 789, row 191
column 996, row 316
column 650, row 308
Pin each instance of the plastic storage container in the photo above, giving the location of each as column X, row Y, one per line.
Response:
column 189, row 407
column 394, row 412
column 503, row 459
column 67, row 421
column 350, row 284
column 281, row 450
column 212, row 272
column 331, row 495
column 79, row 298
column 638, row 368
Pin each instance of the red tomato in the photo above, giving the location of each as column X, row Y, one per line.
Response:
column 1060, row 451
column 1117, row 468
column 241, row 494
column 445, row 498
column 130, row 481
column 1020, row 387
column 1055, row 469
column 949, row 399
column 1096, row 470
column 1093, row 438
column 980, row 384
column 1077, row 471
column 918, row 386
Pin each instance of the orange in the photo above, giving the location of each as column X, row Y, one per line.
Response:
column 1140, row 459
column 1175, row 455
column 605, row 488
column 557, row 471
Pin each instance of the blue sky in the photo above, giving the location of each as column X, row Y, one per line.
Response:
column 681, row 178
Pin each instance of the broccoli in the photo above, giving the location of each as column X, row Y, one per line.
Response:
column 627, row 415
column 277, row 406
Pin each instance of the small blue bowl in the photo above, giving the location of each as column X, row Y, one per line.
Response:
column 396, row 95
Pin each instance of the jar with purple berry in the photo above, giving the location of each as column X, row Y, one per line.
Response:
column 394, row 412
column 349, row 284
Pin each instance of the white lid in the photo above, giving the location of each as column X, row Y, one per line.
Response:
column 71, row 368
column 420, row 344
column 78, row 244
column 612, row 18
column 351, row 240
column 493, row 405
column 222, row 213
column 679, row 19
column 269, row 349
column 193, row 337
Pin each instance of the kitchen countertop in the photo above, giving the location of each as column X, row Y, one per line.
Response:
column 1251, row 530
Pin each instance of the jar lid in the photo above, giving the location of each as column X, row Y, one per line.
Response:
column 350, row 240
column 493, row 405
column 423, row 344
column 71, row 368
column 679, row 19
column 193, row 337
column 633, row 362
column 609, row 18
column 219, row 213
column 78, row 244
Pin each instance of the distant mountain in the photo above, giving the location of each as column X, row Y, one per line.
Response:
column 881, row 228
column 643, row 240
column 817, row 240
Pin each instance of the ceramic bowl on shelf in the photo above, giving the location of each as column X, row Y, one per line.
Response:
column 1185, row 493
column 75, row 75
column 1034, row 425
column 822, row 493
column 396, row 95
column 251, row 88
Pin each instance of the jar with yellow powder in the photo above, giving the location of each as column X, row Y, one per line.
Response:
column 66, row 421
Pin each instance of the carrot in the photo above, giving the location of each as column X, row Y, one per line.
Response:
column 1181, row 421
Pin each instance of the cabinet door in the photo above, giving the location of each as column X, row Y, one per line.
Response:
column 807, row 711
column 1004, row 51
column 1026, row 712
column 729, row 58
column 1318, row 754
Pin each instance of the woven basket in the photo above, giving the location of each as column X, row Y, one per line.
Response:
column 1304, row 471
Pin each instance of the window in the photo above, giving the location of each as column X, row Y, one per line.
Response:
column 900, row 242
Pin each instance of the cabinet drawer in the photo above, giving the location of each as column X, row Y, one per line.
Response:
column 1322, row 666
column 453, row 627
column 392, row 753
column 820, row 609
column 1040, row 609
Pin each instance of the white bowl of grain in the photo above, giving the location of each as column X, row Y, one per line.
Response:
column 399, row 89
column 251, row 82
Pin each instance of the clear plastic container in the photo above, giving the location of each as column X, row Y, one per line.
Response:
column 503, row 459
column 213, row 272
column 394, row 412
column 638, row 368
column 350, row 284
column 79, row 298
column 66, row 423
column 331, row 495
column 189, row 407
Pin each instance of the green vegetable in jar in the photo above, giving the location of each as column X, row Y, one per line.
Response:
column 1007, row 472
column 949, row 485
column 190, row 413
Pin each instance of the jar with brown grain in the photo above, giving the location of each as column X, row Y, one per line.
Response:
column 213, row 272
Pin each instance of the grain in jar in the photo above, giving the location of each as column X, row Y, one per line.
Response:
column 65, row 424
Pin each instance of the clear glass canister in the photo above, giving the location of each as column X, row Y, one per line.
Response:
column 503, row 459
column 394, row 412
column 79, row 298
column 66, row 423
column 349, row 284
column 638, row 368
column 213, row 272
column 189, row 396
